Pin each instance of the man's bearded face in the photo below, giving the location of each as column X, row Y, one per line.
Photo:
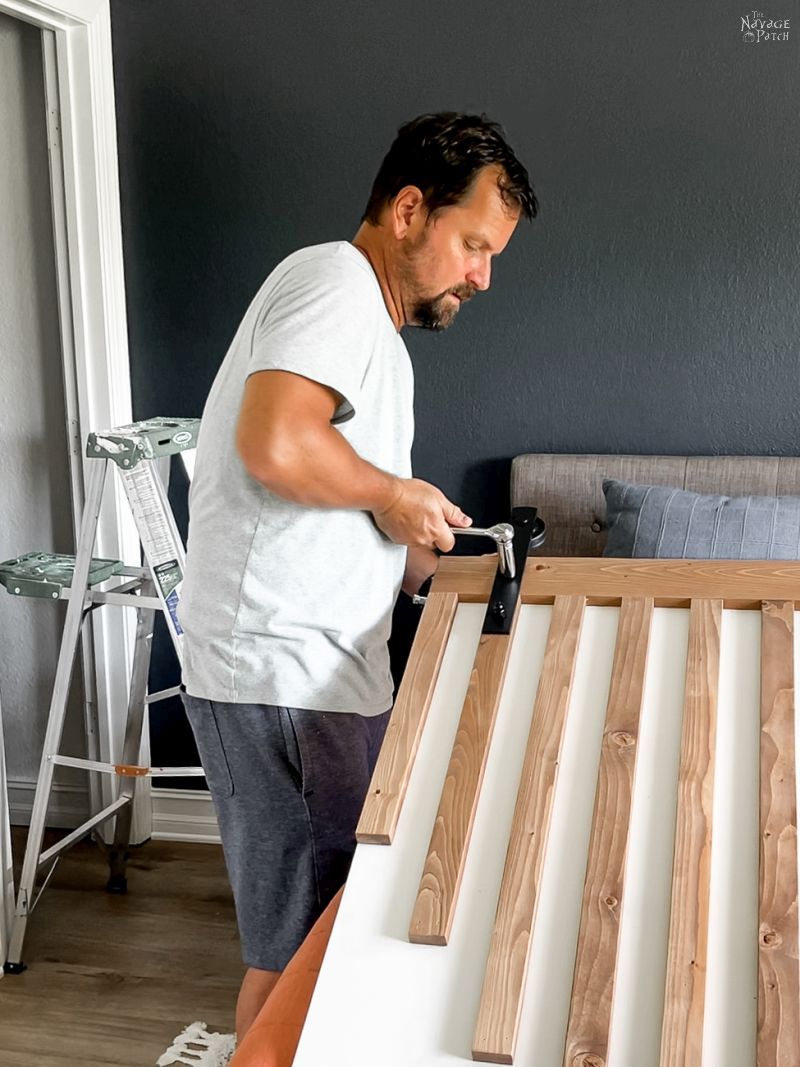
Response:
column 445, row 257
column 430, row 311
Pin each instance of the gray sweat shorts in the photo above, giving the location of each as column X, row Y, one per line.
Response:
column 288, row 786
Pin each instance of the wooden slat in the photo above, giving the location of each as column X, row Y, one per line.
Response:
column 778, row 985
column 593, row 983
column 740, row 583
column 435, row 905
column 501, row 999
column 389, row 783
column 469, row 576
column 684, row 1001
column 671, row 582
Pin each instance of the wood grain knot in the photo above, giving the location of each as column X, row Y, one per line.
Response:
column 611, row 901
column 588, row 1059
column 771, row 938
column 623, row 739
column 772, row 607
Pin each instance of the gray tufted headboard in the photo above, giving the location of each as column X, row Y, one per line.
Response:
column 568, row 489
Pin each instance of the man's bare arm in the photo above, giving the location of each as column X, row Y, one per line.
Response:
column 285, row 440
column 421, row 564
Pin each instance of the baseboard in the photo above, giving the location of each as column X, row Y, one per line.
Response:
column 184, row 815
column 68, row 808
column 178, row 814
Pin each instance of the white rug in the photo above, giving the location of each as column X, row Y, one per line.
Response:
column 198, row 1048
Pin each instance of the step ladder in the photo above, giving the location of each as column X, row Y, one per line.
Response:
column 135, row 452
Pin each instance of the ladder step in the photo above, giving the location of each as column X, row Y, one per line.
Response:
column 126, row 770
column 45, row 574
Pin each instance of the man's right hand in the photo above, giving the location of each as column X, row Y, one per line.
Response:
column 420, row 514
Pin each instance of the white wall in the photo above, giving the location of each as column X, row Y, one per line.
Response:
column 35, row 507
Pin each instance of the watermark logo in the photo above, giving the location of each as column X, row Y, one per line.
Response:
column 757, row 29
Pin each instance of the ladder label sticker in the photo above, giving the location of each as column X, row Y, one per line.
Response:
column 169, row 577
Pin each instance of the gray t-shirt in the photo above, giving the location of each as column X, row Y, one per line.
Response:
column 286, row 604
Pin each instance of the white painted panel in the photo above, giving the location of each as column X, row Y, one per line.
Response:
column 729, row 1035
column 381, row 999
column 545, row 1008
column 644, row 923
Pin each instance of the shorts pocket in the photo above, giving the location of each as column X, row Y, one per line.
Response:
column 291, row 742
column 205, row 725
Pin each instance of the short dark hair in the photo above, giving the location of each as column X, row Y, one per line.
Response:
column 441, row 154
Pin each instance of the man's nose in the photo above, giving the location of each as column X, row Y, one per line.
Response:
column 480, row 275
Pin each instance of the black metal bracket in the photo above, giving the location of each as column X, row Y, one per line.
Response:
column 505, row 591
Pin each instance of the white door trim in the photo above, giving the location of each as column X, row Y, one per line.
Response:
column 90, row 267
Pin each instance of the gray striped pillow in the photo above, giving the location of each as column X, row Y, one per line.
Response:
column 660, row 522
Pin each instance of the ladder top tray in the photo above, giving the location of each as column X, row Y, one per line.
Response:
column 148, row 439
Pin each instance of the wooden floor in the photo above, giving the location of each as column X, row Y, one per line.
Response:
column 113, row 979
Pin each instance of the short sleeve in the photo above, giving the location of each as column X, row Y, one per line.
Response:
column 319, row 321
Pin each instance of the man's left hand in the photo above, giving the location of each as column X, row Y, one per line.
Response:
column 420, row 564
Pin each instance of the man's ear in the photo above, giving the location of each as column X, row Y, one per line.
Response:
column 408, row 211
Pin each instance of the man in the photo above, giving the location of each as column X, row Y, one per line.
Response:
column 305, row 522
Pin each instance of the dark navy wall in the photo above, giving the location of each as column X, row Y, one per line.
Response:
column 653, row 305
